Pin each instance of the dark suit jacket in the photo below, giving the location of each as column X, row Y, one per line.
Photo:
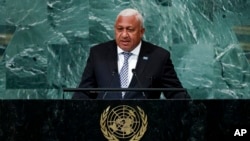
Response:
column 154, row 69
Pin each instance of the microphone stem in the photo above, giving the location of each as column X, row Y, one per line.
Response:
column 139, row 82
column 113, row 76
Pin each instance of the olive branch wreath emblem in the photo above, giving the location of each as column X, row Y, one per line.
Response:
column 111, row 137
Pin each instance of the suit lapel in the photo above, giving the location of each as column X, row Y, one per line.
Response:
column 112, row 59
column 112, row 56
column 141, row 62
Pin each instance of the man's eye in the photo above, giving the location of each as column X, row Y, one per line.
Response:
column 119, row 29
column 130, row 30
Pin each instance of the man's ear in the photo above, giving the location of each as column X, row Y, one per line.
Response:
column 142, row 31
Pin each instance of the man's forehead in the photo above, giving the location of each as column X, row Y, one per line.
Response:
column 124, row 25
column 126, row 21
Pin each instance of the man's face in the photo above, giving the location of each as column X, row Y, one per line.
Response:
column 128, row 32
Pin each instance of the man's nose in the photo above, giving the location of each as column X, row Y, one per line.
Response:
column 124, row 33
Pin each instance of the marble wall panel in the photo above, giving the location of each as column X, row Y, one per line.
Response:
column 47, row 50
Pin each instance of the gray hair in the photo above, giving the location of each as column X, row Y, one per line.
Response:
column 132, row 12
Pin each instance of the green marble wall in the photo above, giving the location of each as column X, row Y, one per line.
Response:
column 44, row 43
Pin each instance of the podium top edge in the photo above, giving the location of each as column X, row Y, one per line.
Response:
column 122, row 89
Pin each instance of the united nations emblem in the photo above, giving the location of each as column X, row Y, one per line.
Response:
column 123, row 123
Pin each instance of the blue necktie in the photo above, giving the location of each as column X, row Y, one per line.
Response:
column 124, row 72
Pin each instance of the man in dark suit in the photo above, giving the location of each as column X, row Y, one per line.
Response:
column 129, row 62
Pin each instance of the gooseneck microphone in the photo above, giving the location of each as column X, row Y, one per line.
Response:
column 139, row 82
column 114, row 72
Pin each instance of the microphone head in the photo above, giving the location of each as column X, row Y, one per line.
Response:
column 133, row 70
column 115, row 70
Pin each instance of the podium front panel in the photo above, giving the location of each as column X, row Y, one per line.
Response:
column 146, row 120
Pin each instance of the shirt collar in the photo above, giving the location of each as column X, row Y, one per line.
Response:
column 135, row 51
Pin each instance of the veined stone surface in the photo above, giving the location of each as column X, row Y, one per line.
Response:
column 209, row 43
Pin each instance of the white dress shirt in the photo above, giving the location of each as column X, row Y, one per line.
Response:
column 132, row 60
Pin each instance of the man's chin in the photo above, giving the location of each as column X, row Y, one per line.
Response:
column 125, row 48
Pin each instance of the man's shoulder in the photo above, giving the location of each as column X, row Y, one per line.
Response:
column 154, row 47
